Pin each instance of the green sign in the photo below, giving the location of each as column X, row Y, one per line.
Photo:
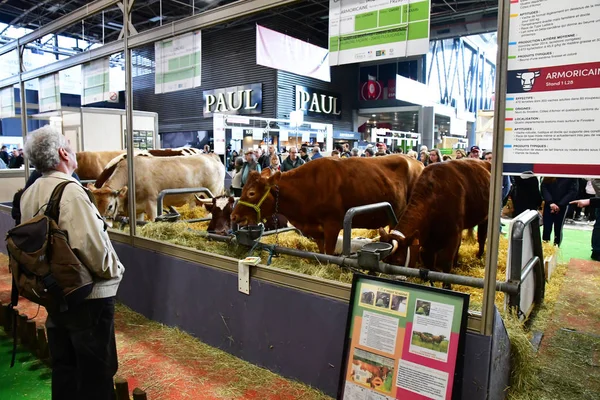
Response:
column 362, row 31
column 403, row 341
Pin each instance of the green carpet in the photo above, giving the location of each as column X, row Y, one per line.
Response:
column 28, row 379
column 575, row 244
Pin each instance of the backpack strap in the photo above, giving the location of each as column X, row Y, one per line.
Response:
column 53, row 207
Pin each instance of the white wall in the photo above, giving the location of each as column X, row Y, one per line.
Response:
column 101, row 131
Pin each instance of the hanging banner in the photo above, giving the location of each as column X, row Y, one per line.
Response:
column 49, row 95
column 403, row 341
column 96, row 81
column 378, row 29
column 178, row 63
column 70, row 80
column 283, row 52
column 7, row 102
column 552, row 113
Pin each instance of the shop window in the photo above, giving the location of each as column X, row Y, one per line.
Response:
column 409, row 69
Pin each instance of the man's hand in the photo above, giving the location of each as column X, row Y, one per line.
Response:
column 554, row 208
column 581, row 203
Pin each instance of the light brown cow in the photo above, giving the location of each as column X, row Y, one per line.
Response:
column 153, row 175
column 316, row 196
column 90, row 164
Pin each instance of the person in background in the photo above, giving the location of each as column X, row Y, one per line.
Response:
column 267, row 161
column 4, row 155
column 16, row 160
column 304, row 154
column 292, row 161
column 594, row 203
column 275, row 166
column 460, row 153
column 81, row 340
column 354, row 152
column 412, row 154
column 382, row 149
column 369, row 152
column 316, row 153
column 435, row 156
column 206, row 148
column 424, row 158
column 475, row 152
column 557, row 194
column 447, row 157
column 423, row 149
column 525, row 193
column 345, row 153
column 506, row 185
column 236, row 178
column 262, row 158
column 250, row 165
column 335, row 154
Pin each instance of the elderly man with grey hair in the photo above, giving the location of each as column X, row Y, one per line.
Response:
column 292, row 161
column 81, row 340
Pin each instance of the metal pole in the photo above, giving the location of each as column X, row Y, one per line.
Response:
column 129, row 117
column 21, row 49
column 495, row 205
column 351, row 213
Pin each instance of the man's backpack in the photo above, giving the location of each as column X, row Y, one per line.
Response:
column 44, row 268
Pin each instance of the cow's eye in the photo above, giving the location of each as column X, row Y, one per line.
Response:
column 251, row 194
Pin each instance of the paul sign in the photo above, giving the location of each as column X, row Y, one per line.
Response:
column 245, row 99
column 318, row 102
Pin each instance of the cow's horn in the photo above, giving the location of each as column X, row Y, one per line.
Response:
column 398, row 233
column 394, row 246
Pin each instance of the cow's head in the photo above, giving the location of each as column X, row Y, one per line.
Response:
column 405, row 249
column 258, row 198
column 220, row 209
column 111, row 203
column 527, row 79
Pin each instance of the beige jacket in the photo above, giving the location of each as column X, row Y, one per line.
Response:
column 84, row 226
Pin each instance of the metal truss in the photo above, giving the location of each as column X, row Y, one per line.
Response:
column 462, row 73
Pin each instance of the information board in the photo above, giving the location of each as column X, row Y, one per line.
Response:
column 178, row 63
column 552, row 115
column 377, row 29
column 7, row 102
column 403, row 341
column 96, row 81
column 49, row 93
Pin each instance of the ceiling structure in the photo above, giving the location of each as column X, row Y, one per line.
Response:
column 305, row 18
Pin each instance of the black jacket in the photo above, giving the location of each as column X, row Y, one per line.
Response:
column 525, row 194
column 560, row 191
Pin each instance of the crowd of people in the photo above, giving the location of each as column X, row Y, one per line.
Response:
column 12, row 159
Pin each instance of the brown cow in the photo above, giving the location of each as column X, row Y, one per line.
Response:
column 316, row 196
column 221, row 217
column 447, row 198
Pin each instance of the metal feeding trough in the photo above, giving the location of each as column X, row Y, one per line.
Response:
column 249, row 234
column 370, row 254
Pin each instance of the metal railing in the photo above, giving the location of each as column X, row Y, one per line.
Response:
column 170, row 192
column 354, row 211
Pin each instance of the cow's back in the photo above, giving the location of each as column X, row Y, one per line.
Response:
column 332, row 186
column 90, row 164
column 455, row 193
column 154, row 174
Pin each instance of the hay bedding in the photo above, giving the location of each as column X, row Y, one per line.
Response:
column 524, row 361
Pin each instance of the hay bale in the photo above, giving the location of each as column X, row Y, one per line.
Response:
column 193, row 212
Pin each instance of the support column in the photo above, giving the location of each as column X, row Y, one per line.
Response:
column 129, row 119
column 20, row 50
column 426, row 126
